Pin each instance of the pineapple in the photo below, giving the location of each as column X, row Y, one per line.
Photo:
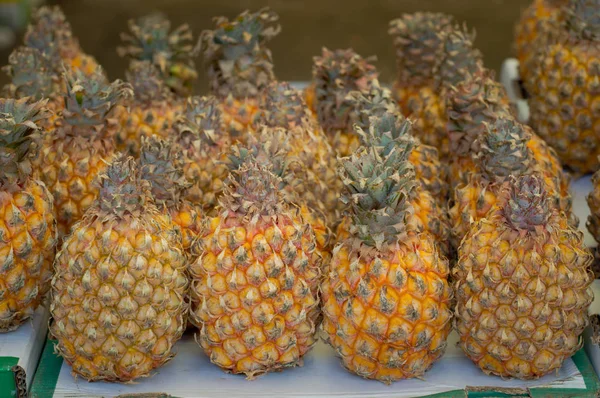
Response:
column 522, row 285
column 171, row 52
column 238, row 63
column 161, row 163
column 255, row 286
column 51, row 34
column 419, row 42
column 593, row 200
column 336, row 74
column 28, row 227
column 204, row 143
column 74, row 154
column 564, row 89
column 386, row 296
column 152, row 112
column 118, row 295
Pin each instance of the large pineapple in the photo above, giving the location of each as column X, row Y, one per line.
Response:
column 238, row 63
column 28, row 228
column 419, row 42
column 118, row 303
column 51, row 34
column 255, row 286
column 564, row 89
column 522, row 285
column 336, row 74
column 75, row 153
column 152, row 112
column 386, row 296
column 172, row 52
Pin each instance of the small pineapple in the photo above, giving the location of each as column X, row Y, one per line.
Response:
column 152, row 112
column 419, row 42
column 28, row 227
column 171, row 52
column 118, row 295
column 336, row 74
column 564, row 90
column 238, row 63
column 386, row 296
column 255, row 286
column 522, row 285
column 75, row 153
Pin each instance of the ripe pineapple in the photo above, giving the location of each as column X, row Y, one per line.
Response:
column 522, row 285
column 419, row 42
column 204, row 144
column 152, row 112
column 28, row 227
column 161, row 163
column 563, row 87
column 386, row 296
column 238, row 63
column 171, row 52
column 74, row 154
column 51, row 34
column 255, row 286
column 118, row 302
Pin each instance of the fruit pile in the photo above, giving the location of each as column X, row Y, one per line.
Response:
column 259, row 215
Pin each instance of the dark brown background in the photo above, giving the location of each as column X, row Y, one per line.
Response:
column 307, row 26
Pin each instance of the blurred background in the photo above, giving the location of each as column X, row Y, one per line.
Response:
column 307, row 25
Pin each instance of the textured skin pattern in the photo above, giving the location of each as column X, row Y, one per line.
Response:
column 254, row 293
column 522, row 297
column 118, row 297
column 593, row 200
column 27, row 242
column 387, row 314
column 238, row 115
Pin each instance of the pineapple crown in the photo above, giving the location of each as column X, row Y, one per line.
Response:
column 31, row 74
column 235, row 53
column 170, row 51
column 282, row 106
column 388, row 132
column 202, row 121
column 376, row 101
column 122, row 192
column 89, row 99
column 503, row 150
column 461, row 59
column 146, row 82
column 472, row 102
column 526, row 203
column 583, row 19
column 19, row 135
column 419, row 42
column 337, row 74
column 268, row 148
column 161, row 163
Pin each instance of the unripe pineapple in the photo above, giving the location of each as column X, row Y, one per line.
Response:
column 239, row 64
column 161, row 163
column 118, row 302
column 204, row 143
column 255, row 286
column 28, row 227
column 74, row 154
column 51, row 34
column 522, row 285
column 172, row 52
column 336, row 74
column 564, row 90
column 386, row 296
column 152, row 112
column 419, row 43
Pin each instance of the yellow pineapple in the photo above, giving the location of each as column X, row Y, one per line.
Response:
column 563, row 87
column 28, row 227
column 238, row 63
column 522, row 285
column 118, row 295
column 386, row 296
column 255, row 286
column 76, row 151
